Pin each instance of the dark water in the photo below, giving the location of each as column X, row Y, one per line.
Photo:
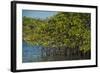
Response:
column 38, row 53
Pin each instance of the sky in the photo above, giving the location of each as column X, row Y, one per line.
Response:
column 38, row 14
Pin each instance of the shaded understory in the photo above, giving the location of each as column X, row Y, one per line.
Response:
column 41, row 54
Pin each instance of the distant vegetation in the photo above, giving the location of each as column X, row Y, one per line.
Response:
column 65, row 29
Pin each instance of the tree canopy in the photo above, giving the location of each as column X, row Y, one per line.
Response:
column 63, row 29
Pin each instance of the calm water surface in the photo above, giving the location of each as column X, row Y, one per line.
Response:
column 39, row 54
column 31, row 53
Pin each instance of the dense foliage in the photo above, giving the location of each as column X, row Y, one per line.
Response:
column 63, row 29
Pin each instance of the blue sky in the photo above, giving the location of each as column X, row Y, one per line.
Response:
column 38, row 14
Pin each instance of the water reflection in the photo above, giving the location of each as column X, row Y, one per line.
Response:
column 31, row 53
column 38, row 53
